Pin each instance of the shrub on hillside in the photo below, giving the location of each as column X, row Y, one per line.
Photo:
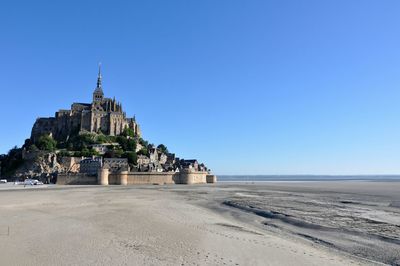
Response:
column 46, row 143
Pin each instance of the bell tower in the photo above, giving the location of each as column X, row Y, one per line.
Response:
column 98, row 94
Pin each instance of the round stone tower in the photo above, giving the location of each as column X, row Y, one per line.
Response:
column 123, row 178
column 102, row 176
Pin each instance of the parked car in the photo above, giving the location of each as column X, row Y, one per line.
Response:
column 32, row 182
column 3, row 181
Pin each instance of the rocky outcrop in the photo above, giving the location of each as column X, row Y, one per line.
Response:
column 41, row 163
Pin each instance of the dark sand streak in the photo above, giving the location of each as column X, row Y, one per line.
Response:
column 355, row 223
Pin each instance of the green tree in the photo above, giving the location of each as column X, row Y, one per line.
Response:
column 89, row 152
column 144, row 151
column 131, row 145
column 33, row 147
column 46, row 143
column 101, row 139
column 77, row 154
column 85, row 152
column 11, row 161
column 123, row 142
column 132, row 157
column 118, row 153
column 79, row 142
column 27, row 143
column 128, row 132
column 143, row 142
column 64, row 154
column 162, row 148
column 114, row 152
column 87, row 138
column 126, row 144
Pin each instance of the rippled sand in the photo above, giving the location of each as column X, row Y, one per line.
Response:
column 360, row 218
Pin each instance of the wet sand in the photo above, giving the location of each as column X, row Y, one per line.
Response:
column 359, row 218
column 225, row 224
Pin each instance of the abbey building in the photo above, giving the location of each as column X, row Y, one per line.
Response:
column 103, row 115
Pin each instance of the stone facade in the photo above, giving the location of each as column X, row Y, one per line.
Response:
column 100, row 148
column 116, row 164
column 102, row 115
column 76, row 179
column 90, row 166
column 143, row 160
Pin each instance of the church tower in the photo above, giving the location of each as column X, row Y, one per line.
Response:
column 98, row 94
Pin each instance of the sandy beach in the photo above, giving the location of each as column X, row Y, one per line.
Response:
column 272, row 223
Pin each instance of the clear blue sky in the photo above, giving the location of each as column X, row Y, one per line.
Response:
column 248, row 87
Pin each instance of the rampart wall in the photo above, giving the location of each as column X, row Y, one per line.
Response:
column 104, row 177
column 76, row 179
column 136, row 178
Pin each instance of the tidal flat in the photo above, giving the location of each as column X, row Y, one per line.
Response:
column 361, row 218
column 265, row 223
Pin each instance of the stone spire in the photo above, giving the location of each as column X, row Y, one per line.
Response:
column 99, row 77
column 98, row 92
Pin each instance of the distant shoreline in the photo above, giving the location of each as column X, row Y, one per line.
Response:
column 274, row 178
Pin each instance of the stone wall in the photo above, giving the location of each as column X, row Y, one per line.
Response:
column 211, row 179
column 76, row 179
column 192, row 177
column 136, row 178
column 115, row 165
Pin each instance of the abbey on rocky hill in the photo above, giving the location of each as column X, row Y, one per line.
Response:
column 103, row 115
column 95, row 143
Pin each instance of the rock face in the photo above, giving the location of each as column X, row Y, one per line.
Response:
column 47, row 163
